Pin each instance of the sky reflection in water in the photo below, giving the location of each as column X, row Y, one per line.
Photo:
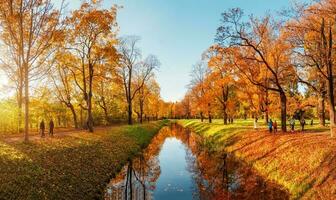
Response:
column 178, row 164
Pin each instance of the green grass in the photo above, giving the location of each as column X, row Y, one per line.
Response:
column 77, row 166
column 217, row 126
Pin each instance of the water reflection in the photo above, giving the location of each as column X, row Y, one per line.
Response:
column 179, row 164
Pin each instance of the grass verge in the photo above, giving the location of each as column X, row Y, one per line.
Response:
column 304, row 163
column 77, row 166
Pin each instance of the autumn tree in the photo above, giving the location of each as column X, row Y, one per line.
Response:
column 186, row 104
column 106, row 88
column 220, row 77
column 312, row 37
column 63, row 82
column 147, row 95
column 131, row 65
column 164, row 109
column 252, row 98
column 28, row 30
column 199, row 89
column 262, row 53
column 76, row 57
column 91, row 38
column 104, row 96
column 327, row 51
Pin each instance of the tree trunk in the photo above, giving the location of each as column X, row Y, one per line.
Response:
column 266, row 116
column 225, row 118
column 141, row 118
column 130, row 121
column 331, row 104
column 210, row 118
column 81, row 116
column 209, row 113
column 104, row 107
column 283, row 102
column 225, row 96
column 202, row 117
column 74, row 116
column 20, row 98
column 328, row 47
column 266, row 107
column 141, row 111
column 89, row 117
column 59, row 120
column 331, row 84
column 20, row 107
column 107, row 119
column 321, row 110
column 90, row 121
column 129, row 97
column 138, row 114
column 26, row 102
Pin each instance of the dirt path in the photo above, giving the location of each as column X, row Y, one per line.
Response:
column 58, row 133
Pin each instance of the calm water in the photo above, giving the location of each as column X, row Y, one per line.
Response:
column 179, row 164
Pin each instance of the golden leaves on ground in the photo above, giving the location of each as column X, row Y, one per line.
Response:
column 75, row 166
column 302, row 163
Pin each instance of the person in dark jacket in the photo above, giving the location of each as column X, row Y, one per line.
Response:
column 51, row 128
column 270, row 126
column 42, row 128
column 275, row 126
column 302, row 123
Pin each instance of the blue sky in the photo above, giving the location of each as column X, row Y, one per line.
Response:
column 179, row 31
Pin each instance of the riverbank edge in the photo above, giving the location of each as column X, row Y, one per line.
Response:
column 296, row 190
column 142, row 145
column 73, row 167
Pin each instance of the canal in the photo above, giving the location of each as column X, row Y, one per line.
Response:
column 179, row 164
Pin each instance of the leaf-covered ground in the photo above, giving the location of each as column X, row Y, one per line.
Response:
column 75, row 166
column 304, row 163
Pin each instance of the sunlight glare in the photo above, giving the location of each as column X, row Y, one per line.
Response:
column 3, row 83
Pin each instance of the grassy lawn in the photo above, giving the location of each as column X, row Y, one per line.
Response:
column 77, row 166
column 304, row 163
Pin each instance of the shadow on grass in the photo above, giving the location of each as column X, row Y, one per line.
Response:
column 72, row 167
column 320, row 175
column 280, row 145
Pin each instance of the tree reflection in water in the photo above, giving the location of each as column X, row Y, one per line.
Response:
column 215, row 174
column 135, row 182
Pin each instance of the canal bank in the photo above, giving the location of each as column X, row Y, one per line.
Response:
column 178, row 164
column 303, row 163
column 75, row 166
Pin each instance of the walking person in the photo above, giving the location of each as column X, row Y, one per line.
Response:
column 302, row 123
column 42, row 128
column 292, row 124
column 256, row 123
column 275, row 126
column 51, row 128
column 270, row 126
